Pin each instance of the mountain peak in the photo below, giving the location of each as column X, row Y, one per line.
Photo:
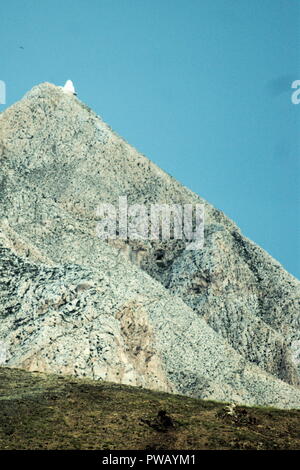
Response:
column 221, row 322
column 44, row 90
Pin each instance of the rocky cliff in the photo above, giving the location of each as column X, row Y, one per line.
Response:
column 221, row 322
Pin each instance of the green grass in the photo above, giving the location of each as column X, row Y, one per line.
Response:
column 39, row 411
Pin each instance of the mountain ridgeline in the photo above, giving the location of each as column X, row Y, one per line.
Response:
column 219, row 323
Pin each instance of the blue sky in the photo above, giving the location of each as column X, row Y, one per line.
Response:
column 202, row 87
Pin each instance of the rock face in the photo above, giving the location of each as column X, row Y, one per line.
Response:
column 221, row 322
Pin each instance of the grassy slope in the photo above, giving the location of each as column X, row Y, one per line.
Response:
column 39, row 411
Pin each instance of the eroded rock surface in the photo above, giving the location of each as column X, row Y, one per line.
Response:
column 221, row 322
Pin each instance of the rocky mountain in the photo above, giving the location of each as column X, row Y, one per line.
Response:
column 221, row 322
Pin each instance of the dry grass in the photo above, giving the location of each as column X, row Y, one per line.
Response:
column 39, row 411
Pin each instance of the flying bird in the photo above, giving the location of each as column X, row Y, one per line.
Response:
column 69, row 88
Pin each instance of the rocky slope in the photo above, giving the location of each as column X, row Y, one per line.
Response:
column 221, row 322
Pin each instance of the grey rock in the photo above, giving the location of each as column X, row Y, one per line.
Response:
column 221, row 322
